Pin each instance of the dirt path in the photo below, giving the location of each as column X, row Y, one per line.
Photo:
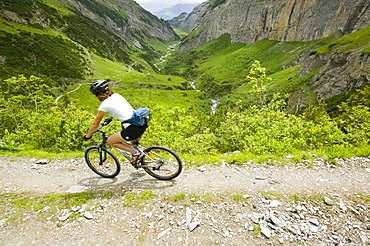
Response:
column 227, row 205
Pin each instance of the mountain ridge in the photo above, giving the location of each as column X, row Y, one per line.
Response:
column 289, row 20
column 175, row 10
column 119, row 30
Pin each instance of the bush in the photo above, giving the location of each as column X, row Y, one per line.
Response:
column 266, row 131
column 58, row 129
column 30, row 117
column 177, row 129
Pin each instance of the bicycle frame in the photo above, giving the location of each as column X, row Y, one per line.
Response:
column 103, row 144
column 158, row 161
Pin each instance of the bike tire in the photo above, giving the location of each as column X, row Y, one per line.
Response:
column 161, row 163
column 102, row 161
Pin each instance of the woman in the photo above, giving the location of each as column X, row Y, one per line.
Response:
column 116, row 106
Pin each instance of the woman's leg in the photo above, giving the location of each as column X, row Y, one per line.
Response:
column 117, row 141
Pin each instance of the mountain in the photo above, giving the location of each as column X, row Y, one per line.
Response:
column 58, row 38
column 314, row 50
column 186, row 21
column 248, row 21
column 173, row 11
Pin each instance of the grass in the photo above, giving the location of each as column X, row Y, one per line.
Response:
column 62, row 10
column 143, row 97
column 15, row 208
column 353, row 42
column 15, row 28
column 236, row 158
column 182, row 34
column 223, row 59
column 134, row 199
column 271, row 195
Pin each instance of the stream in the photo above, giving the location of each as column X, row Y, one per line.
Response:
column 162, row 59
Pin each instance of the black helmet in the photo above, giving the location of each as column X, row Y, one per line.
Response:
column 97, row 86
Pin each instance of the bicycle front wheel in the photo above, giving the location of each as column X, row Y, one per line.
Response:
column 161, row 162
column 102, row 161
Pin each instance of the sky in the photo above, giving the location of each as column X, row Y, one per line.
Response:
column 154, row 5
column 172, row 2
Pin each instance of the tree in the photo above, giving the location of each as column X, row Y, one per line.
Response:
column 258, row 79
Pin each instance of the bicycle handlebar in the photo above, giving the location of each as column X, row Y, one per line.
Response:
column 106, row 122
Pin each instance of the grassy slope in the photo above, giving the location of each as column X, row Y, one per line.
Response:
column 354, row 42
column 220, row 61
column 141, row 88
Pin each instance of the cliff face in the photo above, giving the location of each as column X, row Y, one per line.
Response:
column 72, row 30
column 186, row 21
column 123, row 17
column 129, row 20
column 339, row 73
column 248, row 21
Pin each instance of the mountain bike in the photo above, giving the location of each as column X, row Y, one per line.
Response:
column 158, row 161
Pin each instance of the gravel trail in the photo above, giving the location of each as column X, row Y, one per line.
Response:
column 251, row 204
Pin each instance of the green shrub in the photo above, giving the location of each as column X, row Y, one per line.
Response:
column 354, row 118
column 179, row 130
column 267, row 131
column 31, row 118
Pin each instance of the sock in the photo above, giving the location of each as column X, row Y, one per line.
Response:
column 134, row 151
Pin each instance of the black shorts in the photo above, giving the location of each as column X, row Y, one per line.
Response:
column 132, row 132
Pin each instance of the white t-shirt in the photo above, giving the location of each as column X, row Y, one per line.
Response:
column 117, row 107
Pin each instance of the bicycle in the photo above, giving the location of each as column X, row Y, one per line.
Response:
column 158, row 161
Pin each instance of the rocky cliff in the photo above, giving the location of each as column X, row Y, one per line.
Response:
column 123, row 17
column 248, row 21
column 336, row 71
column 129, row 20
column 185, row 21
column 37, row 36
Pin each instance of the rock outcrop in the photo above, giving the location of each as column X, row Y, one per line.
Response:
column 340, row 73
column 186, row 21
column 138, row 22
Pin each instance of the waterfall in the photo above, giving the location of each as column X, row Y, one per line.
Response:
column 215, row 102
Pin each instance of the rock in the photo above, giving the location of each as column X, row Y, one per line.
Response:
column 305, row 21
column 149, row 215
column 256, row 217
column 77, row 189
column 192, row 223
column 42, row 161
column 260, row 177
column 2, row 222
column 364, row 238
column 276, row 221
column 314, row 221
column 265, row 231
column 314, row 228
column 65, row 216
column 163, row 233
column 328, row 201
column 274, row 204
column 160, row 217
column 342, row 206
column 88, row 215
column 202, row 169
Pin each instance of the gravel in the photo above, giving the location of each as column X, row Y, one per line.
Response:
column 217, row 204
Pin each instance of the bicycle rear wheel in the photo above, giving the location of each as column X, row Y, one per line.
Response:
column 102, row 161
column 161, row 162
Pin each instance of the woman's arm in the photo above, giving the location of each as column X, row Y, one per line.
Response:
column 95, row 124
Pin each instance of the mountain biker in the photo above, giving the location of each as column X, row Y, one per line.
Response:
column 115, row 106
